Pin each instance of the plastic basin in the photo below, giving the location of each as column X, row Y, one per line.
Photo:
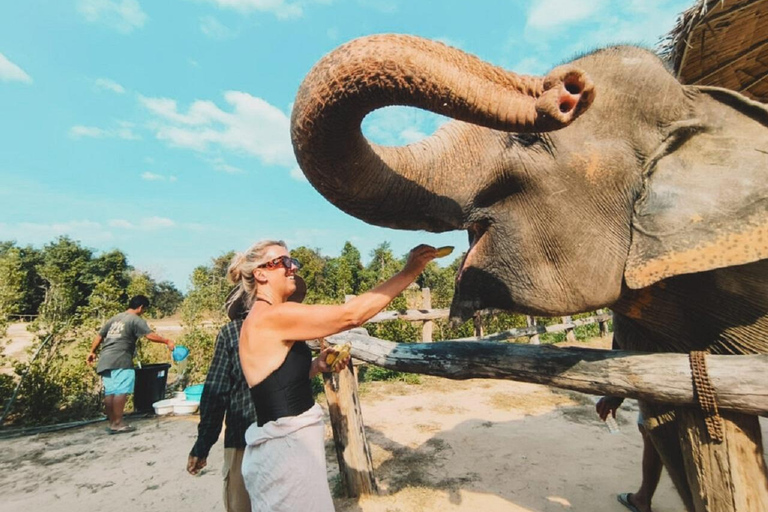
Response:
column 175, row 406
column 185, row 407
column 164, row 407
column 194, row 393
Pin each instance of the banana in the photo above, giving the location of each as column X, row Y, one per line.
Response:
column 444, row 251
column 338, row 354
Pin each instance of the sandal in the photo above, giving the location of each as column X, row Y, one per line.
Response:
column 122, row 430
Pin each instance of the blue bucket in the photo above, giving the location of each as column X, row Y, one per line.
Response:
column 193, row 393
column 180, row 353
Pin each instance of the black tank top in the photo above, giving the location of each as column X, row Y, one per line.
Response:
column 287, row 391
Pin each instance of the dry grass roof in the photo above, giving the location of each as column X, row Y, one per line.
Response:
column 722, row 43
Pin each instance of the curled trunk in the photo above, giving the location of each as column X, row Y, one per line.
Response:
column 423, row 185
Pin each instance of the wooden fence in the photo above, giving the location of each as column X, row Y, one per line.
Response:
column 352, row 450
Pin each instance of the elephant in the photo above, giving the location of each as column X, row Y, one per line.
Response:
column 606, row 183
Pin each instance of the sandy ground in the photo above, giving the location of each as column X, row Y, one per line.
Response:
column 439, row 446
column 442, row 445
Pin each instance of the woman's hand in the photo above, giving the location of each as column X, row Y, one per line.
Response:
column 323, row 367
column 418, row 258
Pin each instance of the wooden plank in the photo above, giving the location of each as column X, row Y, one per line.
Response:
column 410, row 315
column 534, row 329
column 740, row 382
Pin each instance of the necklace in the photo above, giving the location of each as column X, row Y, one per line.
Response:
column 263, row 300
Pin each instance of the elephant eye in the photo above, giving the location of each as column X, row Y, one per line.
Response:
column 525, row 139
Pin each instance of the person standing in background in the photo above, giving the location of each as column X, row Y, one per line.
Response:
column 119, row 336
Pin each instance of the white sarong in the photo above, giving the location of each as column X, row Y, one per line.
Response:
column 284, row 464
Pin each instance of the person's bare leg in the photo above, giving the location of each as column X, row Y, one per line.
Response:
column 118, row 406
column 108, row 404
column 651, row 468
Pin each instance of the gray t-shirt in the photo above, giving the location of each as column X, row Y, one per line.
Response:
column 120, row 334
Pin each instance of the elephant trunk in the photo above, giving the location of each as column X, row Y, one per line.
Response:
column 422, row 184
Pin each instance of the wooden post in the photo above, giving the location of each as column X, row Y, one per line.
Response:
column 428, row 326
column 530, row 322
column 352, row 450
column 569, row 334
column 478, row 321
column 724, row 477
column 601, row 326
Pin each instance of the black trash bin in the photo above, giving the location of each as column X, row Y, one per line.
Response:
column 150, row 386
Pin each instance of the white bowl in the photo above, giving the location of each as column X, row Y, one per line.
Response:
column 185, row 407
column 164, row 407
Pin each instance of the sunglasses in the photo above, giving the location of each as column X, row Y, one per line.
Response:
column 285, row 262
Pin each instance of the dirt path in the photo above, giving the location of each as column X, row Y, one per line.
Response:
column 442, row 445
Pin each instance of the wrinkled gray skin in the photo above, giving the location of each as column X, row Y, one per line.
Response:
column 645, row 196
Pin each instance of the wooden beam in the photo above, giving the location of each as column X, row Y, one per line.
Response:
column 740, row 382
column 534, row 329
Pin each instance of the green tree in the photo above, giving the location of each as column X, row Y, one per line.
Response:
column 64, row 269
column 314, row 274
column 167, row 299
column 382, row 266
column 12, row 279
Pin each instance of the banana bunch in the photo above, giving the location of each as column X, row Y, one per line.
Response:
column 444, row 251
column 337, row 354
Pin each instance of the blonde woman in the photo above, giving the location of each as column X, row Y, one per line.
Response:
column 284, row 462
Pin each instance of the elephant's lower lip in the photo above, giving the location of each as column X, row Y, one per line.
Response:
column 476, row 232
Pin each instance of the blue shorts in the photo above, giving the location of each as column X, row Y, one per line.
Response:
column 119, row 381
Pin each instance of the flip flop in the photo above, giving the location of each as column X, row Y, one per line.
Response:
column 624, row 500
column 123, row 430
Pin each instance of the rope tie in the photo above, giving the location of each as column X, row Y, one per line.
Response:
column 705, row 393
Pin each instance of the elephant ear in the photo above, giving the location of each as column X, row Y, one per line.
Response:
column 705, row 201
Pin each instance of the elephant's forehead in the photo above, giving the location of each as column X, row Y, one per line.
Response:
column 590, row 163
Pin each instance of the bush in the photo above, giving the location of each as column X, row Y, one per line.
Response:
column 372, row 373
column 58, row 385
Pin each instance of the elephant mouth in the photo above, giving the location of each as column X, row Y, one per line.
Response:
column 476, row 232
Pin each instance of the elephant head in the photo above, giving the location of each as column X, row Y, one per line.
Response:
column 605, row 176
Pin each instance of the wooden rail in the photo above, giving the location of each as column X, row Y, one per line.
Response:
column 740, row 382
column 352, row 449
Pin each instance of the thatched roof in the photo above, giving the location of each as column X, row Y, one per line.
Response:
column 723, row 43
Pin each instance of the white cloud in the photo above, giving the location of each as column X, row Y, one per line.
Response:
column 531, row 66
column 214, row 29
column 119, row 223
column 121, row 15
column 145, row 224
column 396, row 126
column 253, row 126
column 31, row 232
column 597, row 23
column 123, row 130
column 10, row 72
column 549, row 14
column 298, row 174
column 79, row 131
column 279, row 8
column 220, row 165
column 151, row 176
column 105, row 84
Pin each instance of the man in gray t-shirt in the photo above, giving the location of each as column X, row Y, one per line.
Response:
column 118, row 338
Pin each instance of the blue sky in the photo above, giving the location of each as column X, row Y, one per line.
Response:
column 161, row 127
